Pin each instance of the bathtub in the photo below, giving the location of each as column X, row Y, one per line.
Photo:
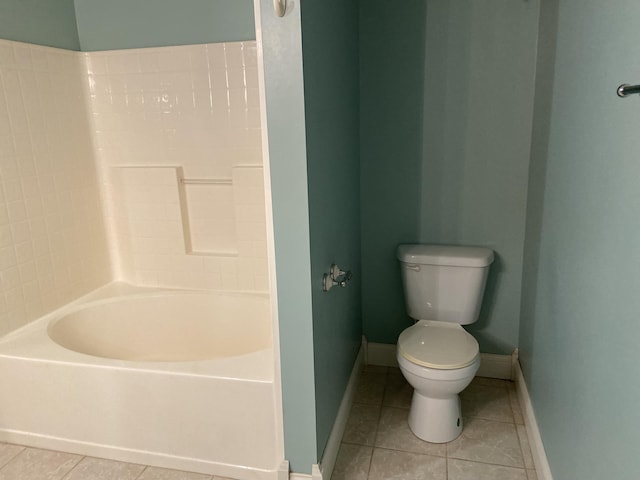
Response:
column 177, row 379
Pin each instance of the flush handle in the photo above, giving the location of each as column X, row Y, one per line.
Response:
column 411, row 266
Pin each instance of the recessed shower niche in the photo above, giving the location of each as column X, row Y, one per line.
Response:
column 167, row 221
column 208, row 215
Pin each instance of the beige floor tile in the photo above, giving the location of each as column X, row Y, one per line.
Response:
column 394, row 465
column 352, row 463
column 515, row 404
column 7, row 452
column 36, row 464
column 490, row 403
column 397, row 392
column 101, row 469
column 464, row 470
column 362, row 424
column 490, row 382
column 524, row 445
column 375, row 369
column 489, row 442
column 155, row 473
column 370, row 388
column 532, row 475
column 394, row 433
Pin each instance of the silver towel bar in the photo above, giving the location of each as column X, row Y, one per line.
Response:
column 626, row 90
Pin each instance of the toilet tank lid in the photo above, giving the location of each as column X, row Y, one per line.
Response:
column 447, row 255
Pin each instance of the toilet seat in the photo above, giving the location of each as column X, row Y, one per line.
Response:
column 438, row 345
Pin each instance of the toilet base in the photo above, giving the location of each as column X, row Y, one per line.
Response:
column 435, row 420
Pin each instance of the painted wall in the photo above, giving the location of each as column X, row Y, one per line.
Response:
column 392, row 43
column 445, row 148
column 120, row 24
column 314, row 175
column 287, row 167
column 580, row 326
column 330, row 59
column 42, row 22
column 480, row 62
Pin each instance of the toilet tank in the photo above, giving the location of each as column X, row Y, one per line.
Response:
column 444, row 283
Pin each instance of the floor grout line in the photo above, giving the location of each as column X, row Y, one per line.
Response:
column 495, row 393
column 14, row 456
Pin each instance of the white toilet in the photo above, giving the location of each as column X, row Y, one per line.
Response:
column 443, row 288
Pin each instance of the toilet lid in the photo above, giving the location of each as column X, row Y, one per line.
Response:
column 438, row 345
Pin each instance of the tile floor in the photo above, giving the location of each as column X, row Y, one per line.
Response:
column 378, row 445
column 22, row 463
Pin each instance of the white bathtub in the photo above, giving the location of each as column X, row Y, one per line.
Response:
column 177, row 379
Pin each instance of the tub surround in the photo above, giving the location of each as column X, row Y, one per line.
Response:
column 53, row 246
column 143, row 166
column 164, row 115
column 74, row 215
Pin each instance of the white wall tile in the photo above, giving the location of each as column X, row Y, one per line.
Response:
column 52, row 234
column 69, row 224
column 189, row 107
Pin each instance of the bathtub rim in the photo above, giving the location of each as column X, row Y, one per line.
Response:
column 31, row 342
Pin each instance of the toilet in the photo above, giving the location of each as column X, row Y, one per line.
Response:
column 443, row 289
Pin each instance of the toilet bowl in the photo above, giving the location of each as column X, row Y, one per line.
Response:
column 443, row 288
column 437, row 374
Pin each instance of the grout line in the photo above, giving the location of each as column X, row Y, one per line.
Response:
column 505, row 388
column 446, row 465
column 489, row 419
column 17, row 453
column 375, row 437
column 492, row 464
column 142, row 472
column 401, row 450
column 489, row 463
column 66, row 475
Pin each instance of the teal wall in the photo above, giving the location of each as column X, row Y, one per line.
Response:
column 392, row 43
column 284, row 96
column 447, row 92
column 116, row 24
column 580, row 328
column 43, row 22
column 314, row 173
column 108, row 25
column 480, row 62
column 330, row 58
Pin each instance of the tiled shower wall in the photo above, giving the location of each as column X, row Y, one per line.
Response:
column 177, row 132
column 53, row 245
column 138, row 165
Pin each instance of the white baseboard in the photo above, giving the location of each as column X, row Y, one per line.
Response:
column 535, row 440
column 495, row 366
column 491, row 366
column 325, row 469
column 283, row 470
column 382, row 354
column 335, row 437
column 316, row 474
